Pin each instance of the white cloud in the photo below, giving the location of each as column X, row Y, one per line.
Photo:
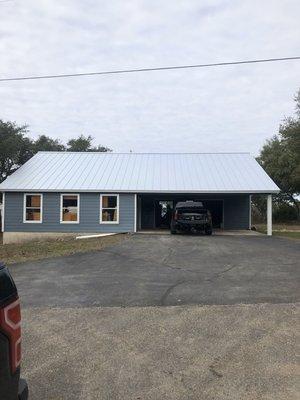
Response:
column 217, row 109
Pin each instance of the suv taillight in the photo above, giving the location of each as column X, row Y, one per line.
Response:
column 176, row 215
column 10, row 324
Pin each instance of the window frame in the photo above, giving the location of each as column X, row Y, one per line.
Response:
column 110, row 208
column 61, row 208
column 25, row 221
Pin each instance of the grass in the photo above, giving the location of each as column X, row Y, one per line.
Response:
column 288, row 234
column 14, row 253
column 290, row 231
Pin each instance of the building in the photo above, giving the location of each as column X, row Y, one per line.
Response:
column 63, row 192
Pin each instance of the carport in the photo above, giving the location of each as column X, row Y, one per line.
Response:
column 223, row 182
column 155, row 209
column 229, row 211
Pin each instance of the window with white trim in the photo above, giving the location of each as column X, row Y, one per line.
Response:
column 69, row 208
column 33, row 204
column 109, row 208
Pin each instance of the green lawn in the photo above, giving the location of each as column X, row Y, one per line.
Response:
column 288, row 234
column 291, row 231
column 13, row 253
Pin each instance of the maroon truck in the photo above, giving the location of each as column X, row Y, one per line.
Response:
column 12, row 387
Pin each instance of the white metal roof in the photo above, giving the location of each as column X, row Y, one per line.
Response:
column 141, row 172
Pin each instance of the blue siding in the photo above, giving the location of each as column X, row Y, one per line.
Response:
column 236, row 212
column 89, row 214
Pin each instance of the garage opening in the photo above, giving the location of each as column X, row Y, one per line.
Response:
column 163, row 213
column 155, row 212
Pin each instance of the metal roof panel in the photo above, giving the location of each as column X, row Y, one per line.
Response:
column 141, row 172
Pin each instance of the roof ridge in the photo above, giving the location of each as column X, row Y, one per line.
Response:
column 158, row 153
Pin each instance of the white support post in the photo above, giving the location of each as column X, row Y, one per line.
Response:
column 135, row 212
column 3, row 212
column 269, row 215
column 250, row 212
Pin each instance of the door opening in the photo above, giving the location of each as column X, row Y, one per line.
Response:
column 163, row 213
column 155, row 211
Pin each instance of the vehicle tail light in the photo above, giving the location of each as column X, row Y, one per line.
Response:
column 176, row 215
column 10, row 324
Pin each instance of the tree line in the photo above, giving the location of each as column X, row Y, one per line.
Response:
column 16, row 147
column 280, row 157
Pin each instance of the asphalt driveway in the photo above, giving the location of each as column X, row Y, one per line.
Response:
column 102, row 325
column 151, row 270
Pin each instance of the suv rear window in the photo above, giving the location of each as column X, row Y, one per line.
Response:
column 192, row 210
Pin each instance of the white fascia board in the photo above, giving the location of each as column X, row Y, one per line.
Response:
column 146, row 191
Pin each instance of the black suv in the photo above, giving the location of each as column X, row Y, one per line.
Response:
column 191, row 216
column 11, row 386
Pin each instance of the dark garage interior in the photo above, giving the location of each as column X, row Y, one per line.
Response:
column 154, row 211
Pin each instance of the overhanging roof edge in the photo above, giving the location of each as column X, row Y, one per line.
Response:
column 141, row 191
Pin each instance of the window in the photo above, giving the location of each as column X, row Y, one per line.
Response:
column 69, row 208
column 109, row 209
column 33, row 208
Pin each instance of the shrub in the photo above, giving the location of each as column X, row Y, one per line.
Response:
column 284, row 212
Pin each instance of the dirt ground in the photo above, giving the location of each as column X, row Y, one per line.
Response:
column 173, row 353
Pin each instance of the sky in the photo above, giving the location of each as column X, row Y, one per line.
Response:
column 225, row 109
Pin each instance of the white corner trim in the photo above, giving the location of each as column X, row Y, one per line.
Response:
column 3, row 212
column 135, row 212
column 61, row 208
column 250, row 211
column 24, row 208
column 118, row 209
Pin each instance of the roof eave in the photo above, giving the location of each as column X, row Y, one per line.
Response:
column 274, row 191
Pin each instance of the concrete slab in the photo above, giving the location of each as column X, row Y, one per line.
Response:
column 218, row 232
column 245, row 232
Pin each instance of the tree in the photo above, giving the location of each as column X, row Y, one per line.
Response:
column 84, row 143
column 15, row 147
column 280, row 157
column 45, row 143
